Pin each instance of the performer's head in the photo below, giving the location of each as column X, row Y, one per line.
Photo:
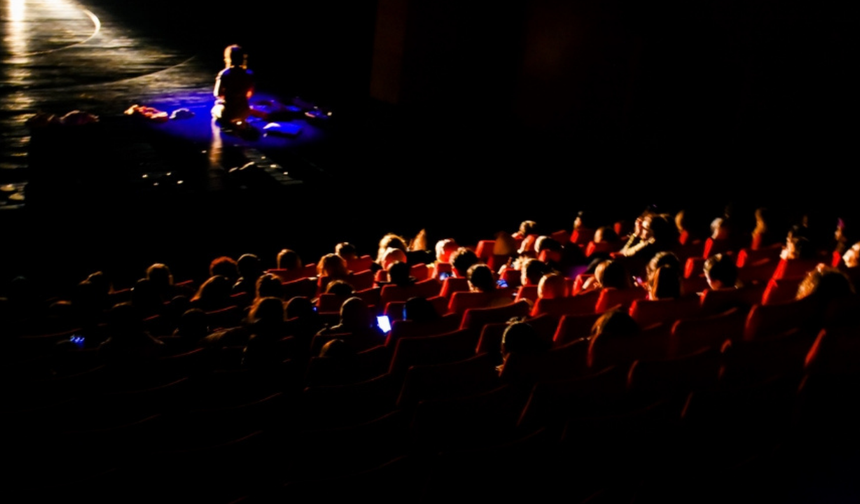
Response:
column 234, row 55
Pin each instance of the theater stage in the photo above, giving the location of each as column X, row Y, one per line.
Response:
column 60, row 56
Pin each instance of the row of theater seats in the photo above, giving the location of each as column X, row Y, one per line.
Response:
column 423, row 415
column 235, row 434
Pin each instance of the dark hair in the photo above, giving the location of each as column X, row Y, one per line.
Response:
column 666, row 283
column 398, row 274
column 615, row 323
column 159, row 274
column 481, row 277
column 826, row 284
column 249, row 267
column 339, row 288
column 268, row 310
column 300, row 307
column 224, row 266
column 614, row 274
column 345, row 249
column 662, row 259
column 462, row 260
column 533, row 271
column 337, row 348
column 520, row 337
column 270, row 286
column 722, row 269
column 418, row 309
column 289, row 260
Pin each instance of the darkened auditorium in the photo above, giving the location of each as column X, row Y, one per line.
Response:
column 584, row 251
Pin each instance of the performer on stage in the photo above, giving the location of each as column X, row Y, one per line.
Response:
column 234, row 86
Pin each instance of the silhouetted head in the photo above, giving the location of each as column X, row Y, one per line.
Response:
column 721, row 272
column 160, row 276
column 612, row 274
column 249, row 266
column 300, row 307
column 418, row 309
column 663, row 258
column 234, row 55
column 332, row 265
column 481, row 278
column 214, row 293
column 521, row 338
column 224, row 266
column 462, row 260
column 552, row 286
column 339, row 288
column 268, row 310
column 346, row 250
column 354, row 314
column 289, row 260
column 270, row 286
column 398, row 274
column 666, row 283
column 532, row 271
column 338, row 349
column 826, row 284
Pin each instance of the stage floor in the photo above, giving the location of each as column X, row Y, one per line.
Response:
column 59, row 56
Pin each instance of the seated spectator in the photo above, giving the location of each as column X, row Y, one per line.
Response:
column 521, row 338
column 337, row 349
column 419, row 310
column 392, row 255
column 444, row 249
column 398, row 274
column 332, row 267
column 289, row 260
column 797, row 258
column 162, row 281
column 250, row 269
column 721, row 272
column 825, row 284
column 191, row 329
column 851, row 258
column 764, row 234
column 481, row 278
column 303, row 321
column 552, row 286
column 611, row 328
column 355, row 320
column 269, row 286
column 462, row 260
column 266, row 328
column 213, row 294
column 665, row 283
column 532, row 270
column 346, row 250
column 388, row 241
column 225, row 267
column 660, row 259
column 527, row 228
column 340, row 288
column 657, row 233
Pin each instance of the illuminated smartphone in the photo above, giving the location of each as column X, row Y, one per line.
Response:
column 501, row 283
column 443, row 275
column 384, row 323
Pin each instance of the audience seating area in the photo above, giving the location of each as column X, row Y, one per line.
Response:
column 732, row 394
